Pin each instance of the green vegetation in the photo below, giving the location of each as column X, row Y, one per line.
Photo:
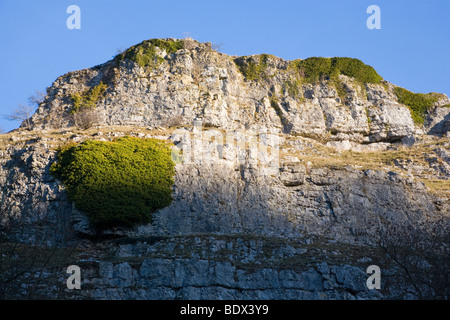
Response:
column 88, row 99
column 117, row 183
column 418, row 103
column 341, row 89
column 275, row 104
column 311, row 70
column 369, row 119
column 145, row 55
column 293, row 88
column 171, row 46
column 253, row 68
column 316, row 69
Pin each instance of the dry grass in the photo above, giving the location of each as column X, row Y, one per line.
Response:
column 322, row 156
column 441, row 187
column 412, row 160
column 57, row 137
column 317, row 154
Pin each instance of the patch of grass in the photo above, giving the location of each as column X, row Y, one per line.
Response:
column 171, row 46
column 275, row 104
column 88, row 99
column 293, row 88
column 144, row 53
column 438, row 186
column 253, row 68
column 117, row 183
column 418, row 103
column 356, row 69
column 313, row 69
column 317, row 69
column 369, row 119
column 322, row 156
column 341, row 90
column 387, row 157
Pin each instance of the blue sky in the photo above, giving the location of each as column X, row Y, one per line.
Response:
column 410, row 50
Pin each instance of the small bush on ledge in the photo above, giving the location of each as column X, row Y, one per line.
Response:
column 253, row 67
column 88, row 99
column 118, row 183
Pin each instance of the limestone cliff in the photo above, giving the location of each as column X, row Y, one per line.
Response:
column 349, row 162
column 200, row 83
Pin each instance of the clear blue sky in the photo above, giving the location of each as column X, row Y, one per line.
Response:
column 411, row 50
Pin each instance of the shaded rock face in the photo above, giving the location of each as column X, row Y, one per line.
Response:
column 341, row 203
column 206, row 276
column 209, row 267
column 227, row 198
column 438, row 121
column 34, row 208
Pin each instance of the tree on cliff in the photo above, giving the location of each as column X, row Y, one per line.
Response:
column 23, row 112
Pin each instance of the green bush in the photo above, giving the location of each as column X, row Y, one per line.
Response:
column 253, row 68
column 316, row 69
column 313, row 69
column 145, row 55
column 171, row 46
column 293, row 88
column 117, row 183
column 356, row 69
column 88, row 99
column 418, row 103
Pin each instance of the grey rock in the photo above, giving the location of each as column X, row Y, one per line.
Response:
column 235, row 198
column 351, row 278
column 313, row 280
column 198, row 83
column 437, row 121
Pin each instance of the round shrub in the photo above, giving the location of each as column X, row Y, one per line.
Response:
column 121, row 182
column 316, row 69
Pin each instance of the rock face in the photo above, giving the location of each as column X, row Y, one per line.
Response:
column 340, row 203
column 202, row 84
column 438, row 121
column 242, row 215
column 289, row 200
column 217, row 267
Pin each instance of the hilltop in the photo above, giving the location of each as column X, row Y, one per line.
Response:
column 289, row 178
